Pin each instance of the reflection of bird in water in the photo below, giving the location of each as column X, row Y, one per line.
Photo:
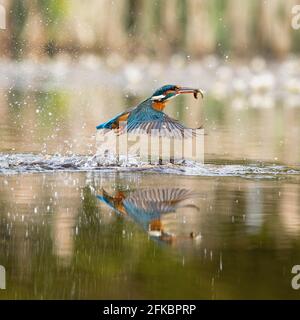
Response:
column 149, row 115
column 148, row 206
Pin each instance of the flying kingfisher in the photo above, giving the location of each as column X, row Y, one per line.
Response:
column 149, row 115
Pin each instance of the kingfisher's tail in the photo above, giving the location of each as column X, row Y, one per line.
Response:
column 106, row 125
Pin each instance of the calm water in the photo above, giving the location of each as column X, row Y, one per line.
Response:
column 235, row 233
column 59, row 241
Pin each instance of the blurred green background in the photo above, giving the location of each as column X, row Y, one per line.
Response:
column 155, row 28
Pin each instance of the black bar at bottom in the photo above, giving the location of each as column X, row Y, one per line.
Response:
column 103, row 309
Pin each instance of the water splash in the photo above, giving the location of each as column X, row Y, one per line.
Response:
column 23, row 163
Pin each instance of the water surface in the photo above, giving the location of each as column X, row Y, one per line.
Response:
column 59, row 241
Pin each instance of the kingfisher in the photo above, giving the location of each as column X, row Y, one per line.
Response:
column 148, row 206
column 149, row 115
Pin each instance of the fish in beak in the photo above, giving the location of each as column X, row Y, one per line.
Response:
column 195, row 92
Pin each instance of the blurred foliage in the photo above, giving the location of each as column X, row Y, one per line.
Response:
column 218, row 9
column 151, row 27
column 19, row 14
column 53, row 13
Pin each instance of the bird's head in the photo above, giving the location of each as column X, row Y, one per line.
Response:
column 170, row 91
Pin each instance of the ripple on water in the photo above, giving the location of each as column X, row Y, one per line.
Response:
column 22, row 163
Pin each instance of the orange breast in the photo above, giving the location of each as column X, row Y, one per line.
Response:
column 158, row 105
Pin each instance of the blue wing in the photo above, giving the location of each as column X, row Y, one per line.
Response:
column 149, row 204
column 144, row 119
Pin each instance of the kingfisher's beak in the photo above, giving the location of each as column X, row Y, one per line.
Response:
column 195, row 92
